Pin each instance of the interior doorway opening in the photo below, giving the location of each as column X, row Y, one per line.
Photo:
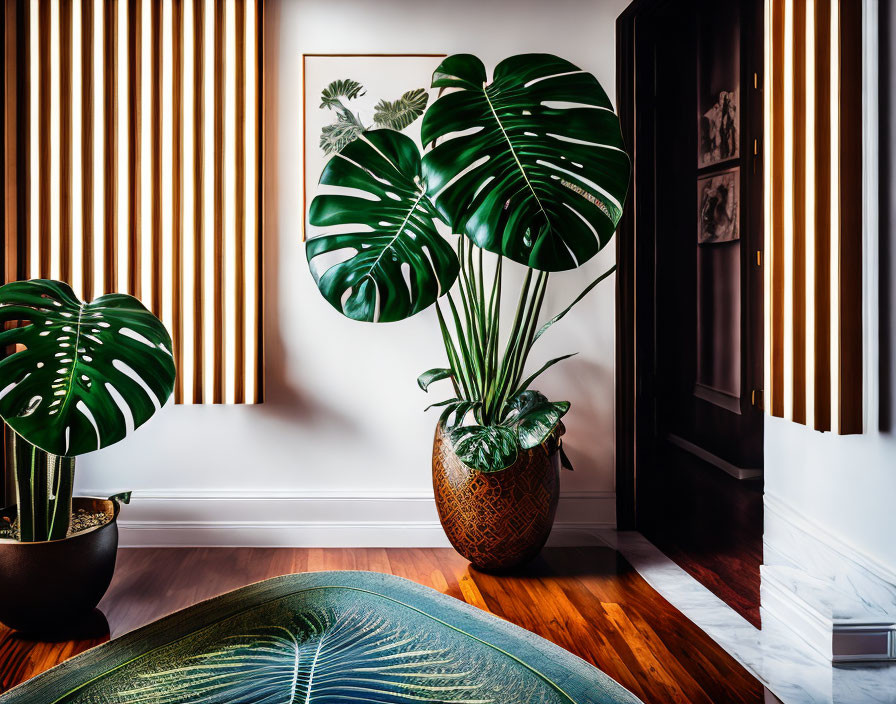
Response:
column 690, row 289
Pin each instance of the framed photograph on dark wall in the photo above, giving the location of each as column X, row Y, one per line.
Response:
column 718, row 206
column 718, row 83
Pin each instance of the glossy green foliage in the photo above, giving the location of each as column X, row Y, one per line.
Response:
column 432, row 375
column 534, row 418
column 529, row 421
column 391, row 261
column 488, row 448
column 530, row 165
column 87, row 371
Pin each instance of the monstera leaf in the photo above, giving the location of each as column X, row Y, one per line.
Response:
column 84, row 367
column 399, row 114
column 531, row 165
column 397, row 262
column 534, row 417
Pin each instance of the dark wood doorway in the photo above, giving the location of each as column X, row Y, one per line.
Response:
column 690, row 288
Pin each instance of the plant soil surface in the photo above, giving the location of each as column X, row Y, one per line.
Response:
column 81, row 521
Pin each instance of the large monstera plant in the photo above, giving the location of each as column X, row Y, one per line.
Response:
column 528, row 166
column 80, row 375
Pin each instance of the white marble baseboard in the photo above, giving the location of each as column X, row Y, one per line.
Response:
column 792, row 671
column 840, row 601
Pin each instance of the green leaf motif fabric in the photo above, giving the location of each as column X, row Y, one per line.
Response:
column 325, row 638
column 530, row 165
column 390, row 260
column 87, row 372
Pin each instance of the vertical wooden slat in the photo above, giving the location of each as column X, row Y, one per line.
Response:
column 799, row 213
column 258, row 8
column 850, row 245
column 44, row 127
column 7, row 11
column 177, row 60
column 218, row 287
column 822, row 234
column 155, row 296
column 94, row 220
column 239, row 321
column 16, row 57
column 65, row 139
column 135, row 33
column 87, row 118
column 110, row 142
column 200, row 207
column 776, row 294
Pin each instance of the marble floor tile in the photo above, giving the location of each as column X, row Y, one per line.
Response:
column 792, row 671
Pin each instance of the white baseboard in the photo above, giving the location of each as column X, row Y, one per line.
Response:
column 322, row 519
column 838, row 600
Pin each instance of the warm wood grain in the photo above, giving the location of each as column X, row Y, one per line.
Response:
column 587, row 600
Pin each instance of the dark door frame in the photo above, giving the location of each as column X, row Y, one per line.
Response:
column 636, row 423
column 634, row 261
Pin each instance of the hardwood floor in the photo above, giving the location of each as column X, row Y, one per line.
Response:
column 710, row 524
column 587, row 600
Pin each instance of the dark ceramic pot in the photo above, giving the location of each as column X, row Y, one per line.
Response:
column 497, row 520
column 49, row 586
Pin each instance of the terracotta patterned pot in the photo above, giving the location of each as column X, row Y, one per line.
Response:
column 497, row 520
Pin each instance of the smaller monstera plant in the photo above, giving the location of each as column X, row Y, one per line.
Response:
column 527, row 165
column 78, row 377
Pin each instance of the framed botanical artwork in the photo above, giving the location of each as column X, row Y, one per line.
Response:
column 345, row 95
column 718, row 207
column 718, row 83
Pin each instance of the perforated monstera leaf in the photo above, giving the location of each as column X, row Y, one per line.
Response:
column 531, row 165
column 380, row 257
column 83, row 368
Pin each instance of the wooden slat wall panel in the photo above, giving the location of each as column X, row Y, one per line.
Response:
column 814, row 223
column 132, row 144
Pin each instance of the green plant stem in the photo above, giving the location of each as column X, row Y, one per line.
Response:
column 483, row 377
column 454, row 362
column 522, row 343
column 512, row 344
column 44, row 484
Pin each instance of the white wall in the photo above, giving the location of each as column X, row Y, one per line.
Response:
column 847, row 485
column 342, row 433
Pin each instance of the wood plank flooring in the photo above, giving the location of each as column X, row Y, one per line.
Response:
column 587, row 600
column 709, row 523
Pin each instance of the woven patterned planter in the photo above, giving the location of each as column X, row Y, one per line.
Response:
column 497, row 520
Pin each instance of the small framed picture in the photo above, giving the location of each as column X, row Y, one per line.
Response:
column 718, row 207
column 718, row 83
column 345, row 95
